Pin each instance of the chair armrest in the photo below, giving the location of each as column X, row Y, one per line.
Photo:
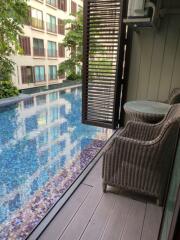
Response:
column 132, row 151
column 141, row 131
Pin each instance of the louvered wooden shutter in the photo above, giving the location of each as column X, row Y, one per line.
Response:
column 62, row 4
column 61, row 27
column 73, row 8
column 104, row 40
column 24, row 74
column 25, row 45
column 61, row 50
column 65, row 5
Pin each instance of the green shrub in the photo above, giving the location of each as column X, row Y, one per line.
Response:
column 7, row 89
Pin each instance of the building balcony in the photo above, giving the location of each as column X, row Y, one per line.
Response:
column 51, row 28
column 52, row 54
column 52, row 4
column 36, row 23
column 39, row 52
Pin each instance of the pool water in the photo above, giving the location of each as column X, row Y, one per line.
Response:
column 43, row 149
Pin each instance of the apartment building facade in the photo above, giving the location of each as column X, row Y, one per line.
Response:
column 42, row 43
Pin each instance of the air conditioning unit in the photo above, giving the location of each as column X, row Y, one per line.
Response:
column 141, row 13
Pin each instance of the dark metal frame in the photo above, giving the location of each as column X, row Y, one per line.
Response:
column 172, row 228
column 120, row 81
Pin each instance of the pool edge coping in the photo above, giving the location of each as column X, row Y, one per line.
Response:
column 55, row 90
column 7, row 102
column 4, row 102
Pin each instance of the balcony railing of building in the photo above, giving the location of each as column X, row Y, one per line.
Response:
column 53, row 77
column 39, row 52
column 51, row 27
column 37, row 23
column 52, row 54
column 41, row 79
column 52, row 3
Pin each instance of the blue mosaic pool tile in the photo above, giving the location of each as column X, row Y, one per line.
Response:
column 41, row 158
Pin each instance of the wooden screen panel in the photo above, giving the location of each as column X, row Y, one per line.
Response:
column 104, row 40
column 25, row 45
column 62, row 4
column 61, row 27
column 61, row 50
column 73, row 8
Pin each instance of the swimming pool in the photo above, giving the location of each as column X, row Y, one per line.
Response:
column 43, row 149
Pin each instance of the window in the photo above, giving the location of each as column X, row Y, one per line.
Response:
column 52, row 72
column 39, row 73
column 52, row 2
column 61, row 27
column 73, row 8
column 51, row 23
column 62, row 4
column 27, row 74
column 37, row 18
column 61, row 50
column 25, row 45
column 52, row 51
column 38, row 47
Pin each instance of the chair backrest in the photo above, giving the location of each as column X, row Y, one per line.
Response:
column 174, row 96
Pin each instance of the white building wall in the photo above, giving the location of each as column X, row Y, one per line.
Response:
column 29, row 31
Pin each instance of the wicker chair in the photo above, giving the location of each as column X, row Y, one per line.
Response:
column 140, row 157
column 174, row 96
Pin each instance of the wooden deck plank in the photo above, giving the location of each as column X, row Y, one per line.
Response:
column 152, row 222
column 62, row 219
column 83, row 216
column 92, row 215
column 126, row 222
column 95, row 176
column 134, row 222
column 117, row 220
column 100, row 218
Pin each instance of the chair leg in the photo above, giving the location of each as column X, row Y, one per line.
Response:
column 104, row 185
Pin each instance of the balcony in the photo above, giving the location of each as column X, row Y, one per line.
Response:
column 52, row 54
column 51, row 28
column 91, row 214
column 52, row 4
column 39, row 52
column 41, row 81
column 36, row 23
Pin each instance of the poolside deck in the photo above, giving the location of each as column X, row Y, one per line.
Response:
column 92, row 215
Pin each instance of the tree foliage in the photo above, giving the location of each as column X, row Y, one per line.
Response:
column 73, row 41
column 13, row 14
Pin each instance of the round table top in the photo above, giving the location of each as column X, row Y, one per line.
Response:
column 147, row 107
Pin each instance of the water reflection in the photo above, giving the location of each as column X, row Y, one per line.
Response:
column 38, row 138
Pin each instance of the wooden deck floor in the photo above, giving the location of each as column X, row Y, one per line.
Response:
column 91, row 215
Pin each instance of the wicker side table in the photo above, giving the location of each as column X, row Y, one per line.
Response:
column 146, row 111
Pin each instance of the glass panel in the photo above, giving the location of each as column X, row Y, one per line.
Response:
column 52, row 72
column 51, row 23
column 51, row 49
column 171, row 200
column 37, row 18
column 39, row 73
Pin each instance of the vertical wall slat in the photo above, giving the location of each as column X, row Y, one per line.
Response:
column 168, row 60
